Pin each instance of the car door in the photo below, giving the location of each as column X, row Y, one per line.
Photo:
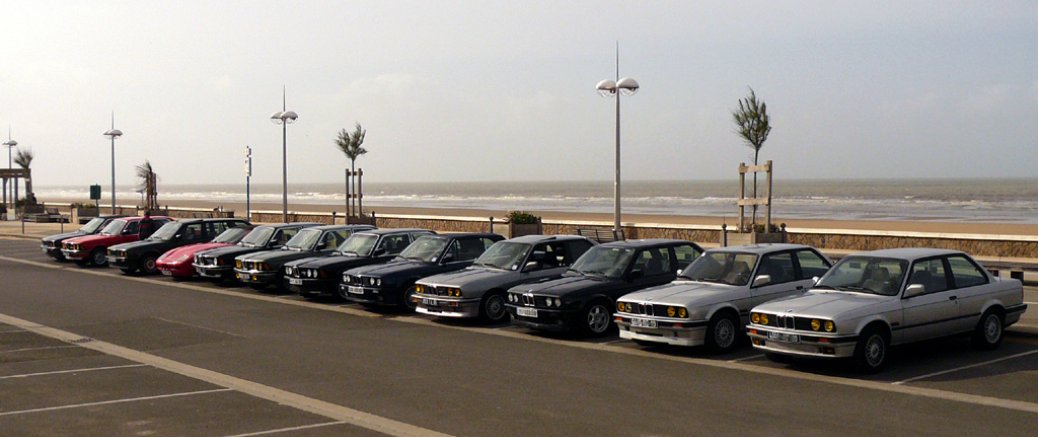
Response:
column 781, row 268
column 934, row 312
column 543, row 262
column 655, row 267
column 970, row 282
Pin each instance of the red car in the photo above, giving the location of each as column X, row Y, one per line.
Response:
column 177, row 262
column 92, row 249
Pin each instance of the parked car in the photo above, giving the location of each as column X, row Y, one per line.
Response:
column 51, row 244
column 262, row 269
column 393, row 283
column 177, row 262
column 93, row 249
column 710, row 301
column 217, row 264
column 870, row 301
column 479, row 290
column 584, row 297
column 141, row 256
column 317, row 276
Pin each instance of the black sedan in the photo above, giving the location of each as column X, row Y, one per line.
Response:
column 262, row 269
column 320, row 275
column 393, row 283
column 141, row 255
column 217, row 264
column 51, row 244
column 584, row 297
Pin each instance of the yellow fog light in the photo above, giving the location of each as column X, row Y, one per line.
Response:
column 755, row 318
column 763, row 319
column 683, row 313
column 620, row 306
column 671, row 311
column 419, row 289
column 815, row 325
column 830, row 326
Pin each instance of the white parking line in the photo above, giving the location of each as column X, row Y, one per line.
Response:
column 930, row 375
column 41, row 348
column 116, row 401
column 746, row 358
column 294, row 428
column 57, row 372
column 327, row 409
column 1031, row 303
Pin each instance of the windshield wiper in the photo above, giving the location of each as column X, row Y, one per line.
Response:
column 824, row 287
column 856, row 288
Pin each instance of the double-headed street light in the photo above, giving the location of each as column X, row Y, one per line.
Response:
column 609, row 88
column 284, row 118
column 113, row 133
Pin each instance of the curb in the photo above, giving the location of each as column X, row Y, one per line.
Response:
column 20, row 236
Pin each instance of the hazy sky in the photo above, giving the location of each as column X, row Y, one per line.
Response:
column 504, row 90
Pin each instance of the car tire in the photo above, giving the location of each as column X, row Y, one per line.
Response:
column 406, row 304
column 147, row 265
column 492, row 309
column 722, row 333
column 98, row 257
column 597, row 318
column 989, row 331
column 870, row 354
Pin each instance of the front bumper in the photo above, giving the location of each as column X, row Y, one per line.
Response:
column 51, row 251
column 801, row 344
column 443, row 307
column 261, row 277
column 74, row 254
column 208, row 271
column 307, row 286
column 118, row 261
column 370, row 295
column 663, row 331
column 555, row 320
column 179, row 270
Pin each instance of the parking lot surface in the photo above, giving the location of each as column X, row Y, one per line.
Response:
column 90, row 351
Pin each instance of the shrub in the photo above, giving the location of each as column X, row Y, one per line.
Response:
column 522, row 218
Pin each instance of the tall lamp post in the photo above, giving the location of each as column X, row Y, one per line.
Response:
column 284, row 118
column 113, row 133
column 611, row 88
column 14, row 196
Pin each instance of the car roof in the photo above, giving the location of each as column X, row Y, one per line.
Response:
column 543, row 238
column 649, row 242
column 761, row 248
column 466, row 235
column 289, row 225
column 203, row 220
column 343, row 227
column 384, row 231
column 909, row 253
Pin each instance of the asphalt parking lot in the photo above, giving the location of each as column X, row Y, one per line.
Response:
column 162, row 364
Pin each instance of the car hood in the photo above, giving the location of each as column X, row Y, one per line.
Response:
column 563, row 286
column 823, row 304
column 279, row 256
column 684, row 292
column 59, row 237
column 472, row 276
column 189, row 250
column 233, row 251
column 142, row 245
column 330, row 262
column 89, row 239
column 395, row 267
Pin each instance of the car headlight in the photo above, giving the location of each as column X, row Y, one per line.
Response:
column 378, row 282
column 628, row 307
column 754, row 318
column 763, row 319
column 620, row 306
column 419, row 289
column 671, row 311
column 816, row 324
column 237, row 263
column 289, row 270
column 830, row 326
column 682, row 313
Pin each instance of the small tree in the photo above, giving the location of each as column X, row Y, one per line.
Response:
column 24, row 159
column 753, row 124
column 350, row 144
column 148, row 186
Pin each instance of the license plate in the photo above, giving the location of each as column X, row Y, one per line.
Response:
column 113, row 259
column 355, row 290
column 643, row 323
column 430, row 302
column 295, row 281
column 526, row 312
column 783, row 337
column 167, row 272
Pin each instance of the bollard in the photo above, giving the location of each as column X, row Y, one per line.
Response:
column 491, row 224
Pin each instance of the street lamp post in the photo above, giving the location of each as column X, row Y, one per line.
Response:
column 284, row 118
column 113, row 133
column 14, row 199
column 609, row 88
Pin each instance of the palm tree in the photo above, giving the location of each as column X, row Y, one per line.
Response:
column 24, row 158
column 350, row 144
column 148, row 186
column 753, row 125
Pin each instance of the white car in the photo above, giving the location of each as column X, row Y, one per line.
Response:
column 870, row 301
column 710, row 300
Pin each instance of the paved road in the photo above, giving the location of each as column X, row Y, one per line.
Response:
column 89, row 351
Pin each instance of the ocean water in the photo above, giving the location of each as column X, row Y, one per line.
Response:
column 953, row 200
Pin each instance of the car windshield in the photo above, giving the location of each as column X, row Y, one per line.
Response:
column 866, row 274
column 358, row 244
column 425, row 248
column 114, row 228
column 609, row 262
column 231, row 235
column 306, row 239
column 722, row 267
column 166, row 232
column 505, row 255
column 258, row 237
column 93, row 225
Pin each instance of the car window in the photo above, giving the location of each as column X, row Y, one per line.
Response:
column 284, row 235
column 191, row 232
column 811, row 264
column 570, row 251
column 930, row 273
column 779, row 266
column 487, row 242
column 452, row 252
column 655, row 261
column 394, row 244
column 217, row 228
column 330, row 241
column 866, row 274
column 966, row 273
column 469, row 249
column 132, row 227
column 685, row 253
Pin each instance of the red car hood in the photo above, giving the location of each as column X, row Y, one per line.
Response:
column 87, row 239
column 189, row 250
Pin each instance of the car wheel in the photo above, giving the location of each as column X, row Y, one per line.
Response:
column 988, row 333
column 98, row 257
column 148, row 266
column 406, row 303
column 870, row 355
column 597, row 318
column 494, row 307
column 722, row 333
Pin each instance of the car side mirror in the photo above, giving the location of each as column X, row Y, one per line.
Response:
column 915, row 290
column 531, row 266
column 637, row 274
column 679, row 272
column 815, row 280
column 761, row 280
column 178, row 236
